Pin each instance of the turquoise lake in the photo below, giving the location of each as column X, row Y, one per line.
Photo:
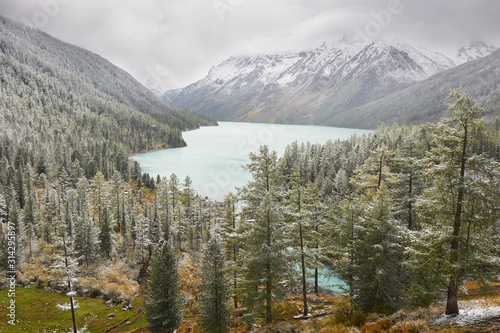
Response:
column 330, row 285
column 214, row 155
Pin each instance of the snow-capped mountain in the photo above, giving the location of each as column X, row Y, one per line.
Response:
column 474, row 50
column 425, row 101
column 309, row 87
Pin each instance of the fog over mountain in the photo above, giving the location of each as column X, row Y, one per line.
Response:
column 314, row 87
column 170, row 44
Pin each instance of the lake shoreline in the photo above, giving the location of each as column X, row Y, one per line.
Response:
column 166, row 148
column 214, row 154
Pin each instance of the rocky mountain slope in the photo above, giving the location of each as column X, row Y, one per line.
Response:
column 313, row 87
column 425, row 100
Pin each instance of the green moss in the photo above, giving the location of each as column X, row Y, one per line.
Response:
column 36, row 311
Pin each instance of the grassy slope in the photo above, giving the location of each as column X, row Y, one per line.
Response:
column 36, row 311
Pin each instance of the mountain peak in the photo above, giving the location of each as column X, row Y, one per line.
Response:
column 311, row 86
column 473, row 49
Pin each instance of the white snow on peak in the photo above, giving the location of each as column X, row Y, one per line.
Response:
column 473, row 50
column 264, row 68
column 339, row 58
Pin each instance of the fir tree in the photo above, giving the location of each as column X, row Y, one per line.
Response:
column 266, row 262
column 410, row 181
column 86, row 238
column 214, row 299
column 298, row 214
column 163, row 301
column 116, row 191
column 105, row 243
column 31, row 218
column 378, row 256
column 230, row 239
column 342, row 233
column 461, row 206
column 98, row 195
column 188, row 226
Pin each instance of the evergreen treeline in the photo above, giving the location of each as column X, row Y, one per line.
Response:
column 64, row 109
column 86, row 76
column 405, row 216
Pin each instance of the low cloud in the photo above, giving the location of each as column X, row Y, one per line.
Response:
column 174, row 43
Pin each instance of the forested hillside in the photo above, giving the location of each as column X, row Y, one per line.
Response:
column 63, row 107
column 406, row 216
column 420, row 103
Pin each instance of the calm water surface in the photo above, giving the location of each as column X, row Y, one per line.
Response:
column 214, row 155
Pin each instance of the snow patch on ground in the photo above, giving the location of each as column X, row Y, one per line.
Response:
column 67, row 306
column 471, row 313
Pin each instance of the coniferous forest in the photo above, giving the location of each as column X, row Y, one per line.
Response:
column 407, row 216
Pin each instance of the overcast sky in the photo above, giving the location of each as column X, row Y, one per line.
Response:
column 173, row 43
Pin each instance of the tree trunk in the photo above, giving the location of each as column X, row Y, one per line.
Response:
column 269, row 295
column 75, row 330
column 304, row 286
column 269, row 303
column 452, row 301
column 316, row 288
column 234, row 258
column 380, row 170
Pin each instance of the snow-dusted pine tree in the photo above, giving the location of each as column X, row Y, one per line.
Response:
column 462, row 204
column 163, row 298
column 377, row 255
column 215, row 310
column 300, row 207
column 105, row 242
column 265, row 259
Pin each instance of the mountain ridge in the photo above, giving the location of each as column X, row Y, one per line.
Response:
column 41, row 51
column 425, row 100
column 312, row 87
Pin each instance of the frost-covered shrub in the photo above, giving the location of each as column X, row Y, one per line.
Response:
column 339, row 329
column 112, row 284
column 342, row 312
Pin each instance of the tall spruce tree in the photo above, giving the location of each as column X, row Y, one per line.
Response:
column 298, row 209
column 378, row 255
column 410, row 180
column 163, row 300
column 86, row 239
column 342, row 234
column 266, row 262
column 215, row 310
column 230, row 240
column 188, row 225
column 461, row 206
column 105, row 243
